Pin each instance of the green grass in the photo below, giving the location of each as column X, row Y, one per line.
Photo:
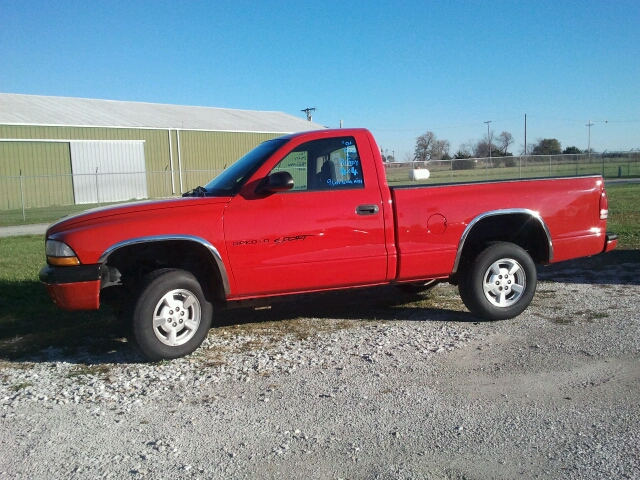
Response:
column 29, row 321
column 624, row 214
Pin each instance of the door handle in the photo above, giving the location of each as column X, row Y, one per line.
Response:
column 367, row 209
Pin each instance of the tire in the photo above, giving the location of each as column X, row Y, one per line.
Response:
column 417, row 287
column 499, row 283
column 170, row 316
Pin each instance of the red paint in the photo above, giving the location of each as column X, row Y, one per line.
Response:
column 76, row 296
column 297, row 241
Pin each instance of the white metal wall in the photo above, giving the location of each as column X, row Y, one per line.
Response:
column 120, row 168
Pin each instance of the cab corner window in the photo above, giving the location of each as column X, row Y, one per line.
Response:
column 327, row 164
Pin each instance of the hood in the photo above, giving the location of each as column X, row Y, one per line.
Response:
column 101, row 214
column 92, row 233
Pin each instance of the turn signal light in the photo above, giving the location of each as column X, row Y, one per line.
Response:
column 60, row 254
column 63, row 261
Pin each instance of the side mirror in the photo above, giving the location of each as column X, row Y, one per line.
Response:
column 276, row 182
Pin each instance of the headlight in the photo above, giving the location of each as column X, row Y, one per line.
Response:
column 60, row 254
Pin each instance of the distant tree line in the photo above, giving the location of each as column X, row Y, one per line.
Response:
column 550, row 146
column 429, row 147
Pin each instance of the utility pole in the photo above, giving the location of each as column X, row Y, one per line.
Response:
column 589, row 124
column 489, row 137
column 308, row 112
column 525, row 134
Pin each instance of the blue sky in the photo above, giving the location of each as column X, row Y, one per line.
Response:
column 397, row 68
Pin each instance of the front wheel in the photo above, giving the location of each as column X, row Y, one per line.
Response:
column 499, row 283
column 171, row 316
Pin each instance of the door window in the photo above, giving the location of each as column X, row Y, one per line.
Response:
column 327, row 164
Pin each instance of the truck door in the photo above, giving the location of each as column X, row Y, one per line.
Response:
column 328, row 231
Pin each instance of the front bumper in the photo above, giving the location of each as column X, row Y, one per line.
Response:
column 73, row 288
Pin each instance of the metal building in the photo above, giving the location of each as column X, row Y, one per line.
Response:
column 102, row 150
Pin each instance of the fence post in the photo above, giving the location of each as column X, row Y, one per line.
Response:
column 97, row 188
column 520, row 169
column 549, row 165
column 24, row 218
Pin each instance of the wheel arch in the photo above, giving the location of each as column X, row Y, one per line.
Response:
column 196, row 255
column 524, row 227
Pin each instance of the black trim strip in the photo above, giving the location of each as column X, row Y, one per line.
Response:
column 81, row 273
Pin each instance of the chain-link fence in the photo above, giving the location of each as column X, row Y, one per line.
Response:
column 610, row 165
column 28, row 199
column 45, row 198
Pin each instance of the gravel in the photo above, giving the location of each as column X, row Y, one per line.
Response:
column 421, row 391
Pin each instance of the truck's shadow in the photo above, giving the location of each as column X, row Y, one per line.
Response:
column 32, row 329
column 619, row 267
column 376, row 303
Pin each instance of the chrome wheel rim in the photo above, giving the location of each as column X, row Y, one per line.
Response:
column 504, row 282
column 176, row 317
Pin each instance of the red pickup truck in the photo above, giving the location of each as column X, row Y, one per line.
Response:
column 310, row 212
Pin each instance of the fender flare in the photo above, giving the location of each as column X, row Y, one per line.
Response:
column 164, row 238
column 519, row 211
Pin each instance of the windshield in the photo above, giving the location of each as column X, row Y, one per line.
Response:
column 231, row 179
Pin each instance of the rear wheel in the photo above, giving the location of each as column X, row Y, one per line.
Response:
column 499, row 283
column 170, row 316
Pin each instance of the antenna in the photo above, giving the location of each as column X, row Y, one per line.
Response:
column 308, row 112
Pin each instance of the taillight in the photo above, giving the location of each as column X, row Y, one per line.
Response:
column 604, row 205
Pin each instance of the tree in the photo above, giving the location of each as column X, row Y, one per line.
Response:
column 527, row 150
column 465, row 150
column 462, row 154
column 481, row 149
column 424, row 144
column 505, row 140
column 428, row 147
column 571, row 151
column 384, row 153
column 547, row 146
column 487, row 147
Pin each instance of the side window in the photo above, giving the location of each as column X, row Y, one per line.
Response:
column 327, row 164
column 296, row 163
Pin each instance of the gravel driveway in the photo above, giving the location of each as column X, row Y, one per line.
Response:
column 366, row 384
